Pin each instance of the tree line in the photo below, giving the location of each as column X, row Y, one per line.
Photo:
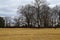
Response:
column 38, row 14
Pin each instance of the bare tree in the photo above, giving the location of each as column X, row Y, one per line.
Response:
column 55, row 14
column 17, row 21
column 45, row 15
column 7, row 21
column 41, row 8
column 28, row 12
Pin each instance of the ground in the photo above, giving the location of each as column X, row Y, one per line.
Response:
column 29, row 34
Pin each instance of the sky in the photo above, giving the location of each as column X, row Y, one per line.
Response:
column 9, row 7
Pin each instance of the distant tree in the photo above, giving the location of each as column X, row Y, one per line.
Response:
column 2, row 22
column 7, row 21
column 17, row 21
column 42, row 12
column 59, row 17
column 37, row 5
column 28, row 11
column 55, row 14
column 45, row 15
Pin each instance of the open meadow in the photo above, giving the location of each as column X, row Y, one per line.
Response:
column 29, row 34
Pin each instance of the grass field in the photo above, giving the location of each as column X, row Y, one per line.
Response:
column 29, row 34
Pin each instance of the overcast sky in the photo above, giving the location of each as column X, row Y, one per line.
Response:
column 9, row 7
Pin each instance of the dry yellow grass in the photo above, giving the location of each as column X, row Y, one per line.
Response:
column 29, row 34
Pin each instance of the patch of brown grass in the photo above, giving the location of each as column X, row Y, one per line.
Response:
column 29, row 34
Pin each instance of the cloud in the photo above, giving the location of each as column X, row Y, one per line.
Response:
column 54, row 2
column 24, row 2
column 9, row 7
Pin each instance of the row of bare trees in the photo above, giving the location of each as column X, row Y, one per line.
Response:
column 39, row 14
column 36, row 14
